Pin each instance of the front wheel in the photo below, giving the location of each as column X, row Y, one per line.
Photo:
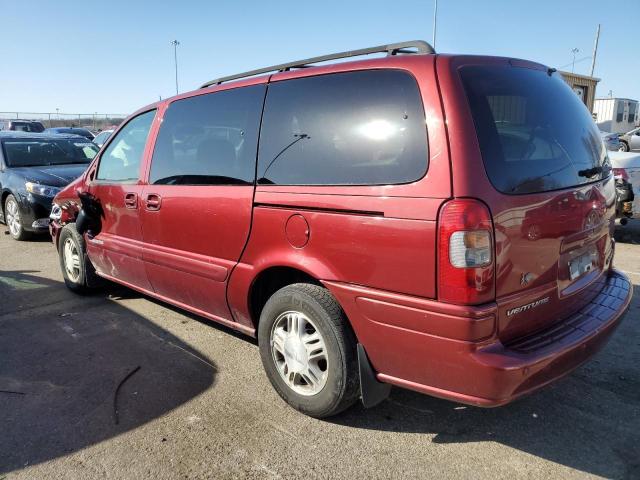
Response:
column 77, row 270
column 308, row 350
column 13, row 219
column 624, row 147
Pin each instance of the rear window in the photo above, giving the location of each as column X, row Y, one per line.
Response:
column 35, row 152
column 535, row 134
column 356, row 128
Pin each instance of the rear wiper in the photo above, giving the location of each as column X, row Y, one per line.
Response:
column 590, row 172
column 538, row 177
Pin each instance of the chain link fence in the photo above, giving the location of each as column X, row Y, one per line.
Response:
column 92, row 121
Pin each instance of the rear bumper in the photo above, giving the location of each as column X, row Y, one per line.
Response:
column 412, row 343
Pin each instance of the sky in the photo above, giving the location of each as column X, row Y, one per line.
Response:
column 115, row 56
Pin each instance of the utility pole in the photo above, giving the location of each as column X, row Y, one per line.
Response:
column 595, row 51
column 435, row 21
column 175, row 44
column 573, row 63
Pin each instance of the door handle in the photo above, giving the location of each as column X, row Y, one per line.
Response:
column 130, row 200
column 153, row 201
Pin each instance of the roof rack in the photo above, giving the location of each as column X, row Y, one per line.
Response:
column 415, row 46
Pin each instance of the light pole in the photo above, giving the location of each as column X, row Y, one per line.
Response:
column 175, row 44
column 573, row 63
column 435, row 21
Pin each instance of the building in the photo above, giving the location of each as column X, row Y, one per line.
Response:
column 616, row 115
column 583, row 85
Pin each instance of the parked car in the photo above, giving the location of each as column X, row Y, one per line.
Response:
column 33, row 169
column 102, row 137
column 83, row 132
column 375, row 237
column 611, row 141
column 22, row 126
column 630, row 140
column 626, row 168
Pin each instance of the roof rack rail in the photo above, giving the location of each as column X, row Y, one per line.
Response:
column 414, row 46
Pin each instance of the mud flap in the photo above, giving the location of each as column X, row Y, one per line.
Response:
column 372, row 392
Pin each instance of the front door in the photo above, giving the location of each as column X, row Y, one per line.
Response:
column 196, row 208
column 116, row 251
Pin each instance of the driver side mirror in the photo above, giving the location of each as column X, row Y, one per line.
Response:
column 90, row 215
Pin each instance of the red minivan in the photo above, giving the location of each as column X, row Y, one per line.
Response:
column 442, row 223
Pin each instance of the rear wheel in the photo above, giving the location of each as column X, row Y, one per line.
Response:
column 309, row 350
column 13, row 219
column 77, row 271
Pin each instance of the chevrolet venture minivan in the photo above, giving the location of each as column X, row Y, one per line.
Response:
column 442, row 223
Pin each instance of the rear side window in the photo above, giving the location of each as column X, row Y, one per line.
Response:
column 209, row 139
column 120, row 162
column 535, row 134
column 356, row 128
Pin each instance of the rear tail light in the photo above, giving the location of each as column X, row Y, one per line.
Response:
column 620, row 173
column 465, row 250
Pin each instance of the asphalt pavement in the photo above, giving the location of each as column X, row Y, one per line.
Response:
column 116, row 385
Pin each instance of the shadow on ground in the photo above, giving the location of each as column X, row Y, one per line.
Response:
column 589, row 421
column 60, row 369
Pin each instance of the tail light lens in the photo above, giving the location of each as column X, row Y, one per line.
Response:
column 620, row 173
column 465, row 250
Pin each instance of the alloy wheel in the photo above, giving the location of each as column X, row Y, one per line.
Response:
column 13, row 217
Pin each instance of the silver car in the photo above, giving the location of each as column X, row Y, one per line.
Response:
column 630, row 140
column 102, row 137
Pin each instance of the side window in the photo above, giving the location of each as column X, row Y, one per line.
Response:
column 620, row 112
column 356, row 128
column 120, row 162
column 632, row 111
column 209, row 139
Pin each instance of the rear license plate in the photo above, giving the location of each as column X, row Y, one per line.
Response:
column 580, row 265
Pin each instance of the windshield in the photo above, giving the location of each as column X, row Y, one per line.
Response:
column 535, row 134
column 30, row 152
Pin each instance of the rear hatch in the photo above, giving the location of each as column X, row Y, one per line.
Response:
column 552, row 197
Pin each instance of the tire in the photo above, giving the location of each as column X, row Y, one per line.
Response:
column 624, row 146
column 323, row 329
column 77, row 270
column 13, row 219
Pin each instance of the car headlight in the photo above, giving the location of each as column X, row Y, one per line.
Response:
column 56, row 212
column 43, row 190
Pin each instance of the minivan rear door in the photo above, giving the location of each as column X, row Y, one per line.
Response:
column 196, row 207
column 551, row 191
